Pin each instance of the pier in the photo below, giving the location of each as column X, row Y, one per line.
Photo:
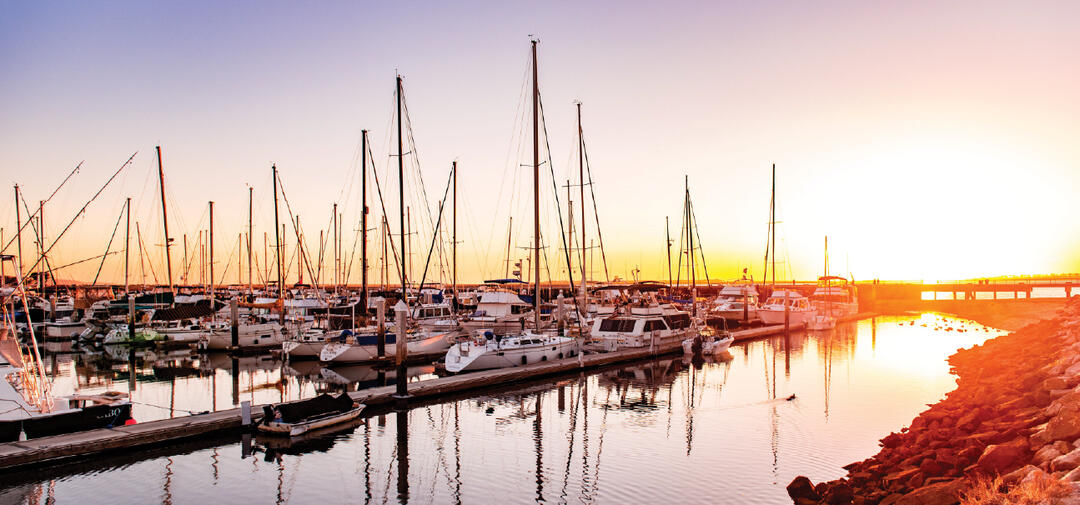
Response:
column 87, row 443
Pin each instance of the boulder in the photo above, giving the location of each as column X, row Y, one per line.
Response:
column 999, row 458
column 1046, row 454
column 802, row 488
column 1066, row 461
column 1062, row 427
column 1018, row 475
column 840, row 494
column 1072, row 476
column 942, row 493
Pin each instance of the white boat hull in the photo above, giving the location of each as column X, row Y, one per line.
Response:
column 774, row 316
column 467, row 356
column 338, row 352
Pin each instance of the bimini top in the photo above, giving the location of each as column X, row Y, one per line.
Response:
column 504, row 281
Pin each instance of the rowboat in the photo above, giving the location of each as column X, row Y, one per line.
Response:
column 297, row 418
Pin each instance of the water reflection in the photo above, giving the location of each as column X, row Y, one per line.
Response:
column 722, row 431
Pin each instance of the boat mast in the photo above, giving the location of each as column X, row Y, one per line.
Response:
column 337, row 266
column 509, row 236
column 536, row 189
column 690, row 251
column 211, row 250
column 277, row 245
column 363, row 221
column 18, row 227
column 165, row 219
column 251, row 284
column 581, row 180
column 401, row 211
column 453, row 243
column 772, row 224
column 127, row 248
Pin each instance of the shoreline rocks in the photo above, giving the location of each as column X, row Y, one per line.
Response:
column 1015, row 413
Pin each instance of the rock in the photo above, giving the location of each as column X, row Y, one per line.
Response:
column 1016, row 476
column 840, row 494
column 1054, row 383
column 944, row 493
column 1046, row 454
column 1036, row 474
column 931, row 467
column 1066, row 461
column 802, row 488
column 1063, row 427
column 1072, row 476
column 999, row 458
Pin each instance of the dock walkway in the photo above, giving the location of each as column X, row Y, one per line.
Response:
column 86, row 443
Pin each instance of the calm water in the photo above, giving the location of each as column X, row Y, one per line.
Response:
column 654, row 432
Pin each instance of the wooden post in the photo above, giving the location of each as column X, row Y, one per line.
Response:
column 380, row 320
column 131, row 318
column 234, row 317
column 401, row 318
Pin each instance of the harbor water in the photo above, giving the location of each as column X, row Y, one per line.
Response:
column 731, row 430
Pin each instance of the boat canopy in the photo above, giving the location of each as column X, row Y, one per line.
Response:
column 504, row 281
column 298, row 411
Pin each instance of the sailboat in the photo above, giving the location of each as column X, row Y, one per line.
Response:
column 823, row 317
column 488, row 350
column 31, row 410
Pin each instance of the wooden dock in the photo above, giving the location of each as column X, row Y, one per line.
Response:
column 82, row 444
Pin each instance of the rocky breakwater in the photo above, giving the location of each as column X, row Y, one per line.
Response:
column 1014, row 416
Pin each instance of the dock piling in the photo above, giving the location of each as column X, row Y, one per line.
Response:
column 234, row 317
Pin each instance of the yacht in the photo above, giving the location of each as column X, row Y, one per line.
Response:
column 835, row 296
column 797, row 306
column 489, row 350
column 358, row 348
column 736, row 303
column 251, row 336
column 499, row 311
column 646, row 324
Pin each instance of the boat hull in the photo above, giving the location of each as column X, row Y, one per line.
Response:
column 466, row 356
column 795, row 317
column 88, row 418
column 294, row 429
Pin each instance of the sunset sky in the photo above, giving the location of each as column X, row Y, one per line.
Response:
column 928, row 140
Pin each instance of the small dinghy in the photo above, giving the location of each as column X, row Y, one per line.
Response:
column 297, row 418
column 708, row 345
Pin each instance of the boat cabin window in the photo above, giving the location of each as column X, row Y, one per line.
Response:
column 655, row 324
column 678, row 321
column 618, row 325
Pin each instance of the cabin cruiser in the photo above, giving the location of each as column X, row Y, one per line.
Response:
column 796, row 306
column 490, row 350
column 251, row 336
column 645, row 324
column 835, row 297
column 362, row 347
column 499, row 311
column 735, row 302
column 435, row 316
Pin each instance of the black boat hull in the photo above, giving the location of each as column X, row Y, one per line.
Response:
column 89, row 418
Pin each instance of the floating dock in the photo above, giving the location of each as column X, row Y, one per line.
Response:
column 85, row 443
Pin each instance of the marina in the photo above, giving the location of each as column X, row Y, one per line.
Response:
column 665, row 403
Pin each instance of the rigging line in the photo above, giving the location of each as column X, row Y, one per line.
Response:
column 558, row 207
column 30, row 216
column 85, row 260
column 415, row 156
column 37, row 240
column 682, row 239
column 700, row 249
column 596, row 214
column 299, row 243
column 145, row 252
column 228, row 262
column 382, row 203
column 109, row 246
column 83, row 209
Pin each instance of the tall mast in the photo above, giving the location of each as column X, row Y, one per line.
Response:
column 401, row 207
column 18, row 227
column 211, row 250
column 772, row 224
column 453, row 242
column 300, row 254
column 536, row 189
column 581, row 180
column 509, row 236
column 127, row 247
column 41, row 242
column 363, row 220
column 277, row 240
column 165, row 218
column 251, row 284
column 337, row 267
column 690, row 250
column 142, row 266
